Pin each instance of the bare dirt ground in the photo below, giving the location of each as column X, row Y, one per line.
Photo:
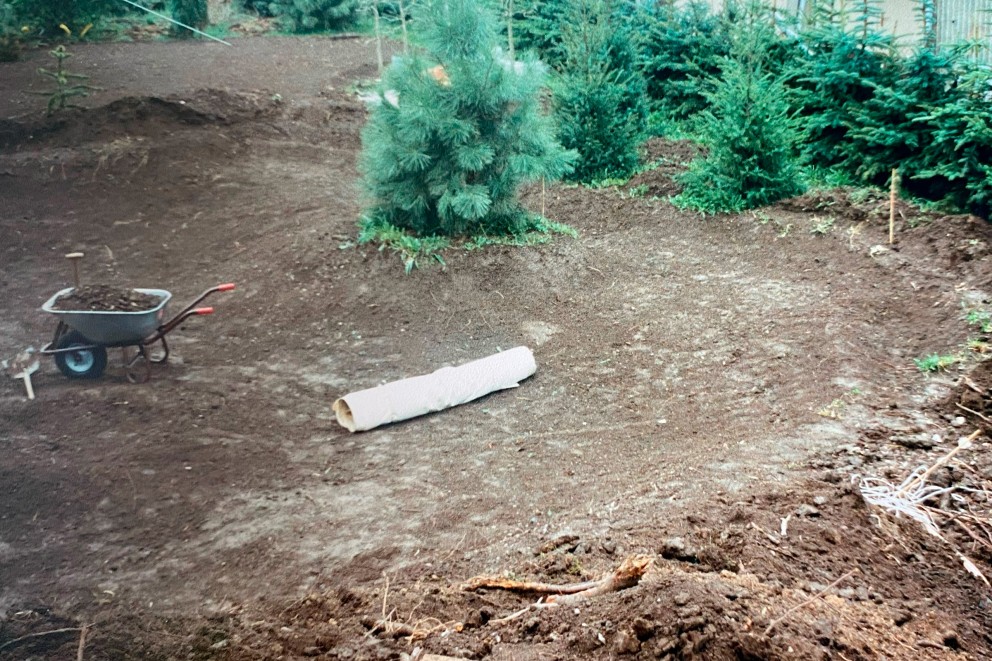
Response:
column 699, row 382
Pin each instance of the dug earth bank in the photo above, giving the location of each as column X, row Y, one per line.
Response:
column 709, row 394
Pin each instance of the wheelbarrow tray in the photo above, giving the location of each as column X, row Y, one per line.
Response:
column 112, row 328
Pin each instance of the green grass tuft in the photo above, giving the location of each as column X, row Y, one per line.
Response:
column 416, row 251
column 935, row 362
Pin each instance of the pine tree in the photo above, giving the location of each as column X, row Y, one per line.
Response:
column 746, row 128
column 600, row 97
column 189, row 12
column 67, row 85
column 455, row 130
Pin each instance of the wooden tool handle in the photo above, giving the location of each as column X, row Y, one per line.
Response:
column 74, row 258
column 27, row 385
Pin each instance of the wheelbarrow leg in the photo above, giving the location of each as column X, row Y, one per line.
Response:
column 161, row 357
column 60, row 330
column 139, row 368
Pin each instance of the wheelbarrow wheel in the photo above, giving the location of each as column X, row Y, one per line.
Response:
column 84, row 363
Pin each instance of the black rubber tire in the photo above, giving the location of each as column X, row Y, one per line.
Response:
column 83, row 364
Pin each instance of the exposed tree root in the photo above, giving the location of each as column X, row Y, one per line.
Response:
column 627, row 575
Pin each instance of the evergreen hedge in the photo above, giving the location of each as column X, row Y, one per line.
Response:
column 681, row 46
column 315, row 15
column 10, row 34
column 747, row 128
column 847, row 58
column 599, row 94
column 189, row 12
column 536, row 26
column 867, row 109
column 43, row 17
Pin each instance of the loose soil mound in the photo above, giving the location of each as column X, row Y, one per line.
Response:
column 665, row 159
column 106, row 298
column 134, row 116
column 775, row 578
column 856, row 205
column 971, row 399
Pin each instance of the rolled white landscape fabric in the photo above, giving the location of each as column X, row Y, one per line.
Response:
column 447, row 387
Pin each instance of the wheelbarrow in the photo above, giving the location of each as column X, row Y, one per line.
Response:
column 82, row 337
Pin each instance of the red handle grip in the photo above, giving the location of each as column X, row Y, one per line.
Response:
column 225, row 287
column 203, row 311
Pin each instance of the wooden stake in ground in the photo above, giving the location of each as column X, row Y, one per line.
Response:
column 892, row 205
column 378, row 36
column 406, row 38
column 509, row 29
column 74, row 258
column 543, row 192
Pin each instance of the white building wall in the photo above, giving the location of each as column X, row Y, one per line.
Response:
column 957, row 20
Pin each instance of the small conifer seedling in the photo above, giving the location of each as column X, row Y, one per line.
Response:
column 67, row 85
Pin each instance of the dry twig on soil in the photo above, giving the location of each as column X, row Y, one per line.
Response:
column 11, row 643
column 416, row 631
column 975, row 413
column 973, row 386
column 82, row 642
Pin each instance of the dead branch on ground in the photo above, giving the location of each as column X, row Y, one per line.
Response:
column 627, row 575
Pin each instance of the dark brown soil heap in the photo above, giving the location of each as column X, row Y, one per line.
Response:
column 972, row 398
column 668, row 159
column 106, row 298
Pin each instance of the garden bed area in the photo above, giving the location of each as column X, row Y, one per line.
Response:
column 709, row 393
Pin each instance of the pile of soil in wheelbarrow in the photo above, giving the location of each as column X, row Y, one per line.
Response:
column 106, row 298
